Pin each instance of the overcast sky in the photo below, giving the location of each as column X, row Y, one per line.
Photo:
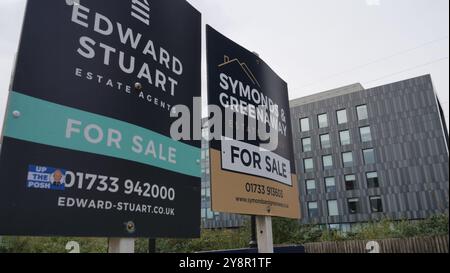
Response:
column 314, row 45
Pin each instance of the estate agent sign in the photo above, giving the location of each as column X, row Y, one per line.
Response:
column 86, row 147
column 252, row 164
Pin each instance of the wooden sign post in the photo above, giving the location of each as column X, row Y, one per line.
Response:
column 121, row 245
column 250, row 175
column 264, row 234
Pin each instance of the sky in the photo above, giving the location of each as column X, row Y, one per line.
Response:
column 314, row 45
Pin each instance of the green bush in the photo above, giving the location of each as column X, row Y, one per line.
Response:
column 285, row 231
column 433, row 226
column 209, row 240
column 436, row 225
column 51, row 244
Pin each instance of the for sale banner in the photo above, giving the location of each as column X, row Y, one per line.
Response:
column 86, row 146
column 251, row 153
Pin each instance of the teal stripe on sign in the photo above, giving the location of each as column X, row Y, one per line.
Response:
column 46, row 123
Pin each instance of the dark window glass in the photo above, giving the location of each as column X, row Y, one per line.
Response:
column 376, row 204
column 350, row 182
column 353, row 205
column 372, row 180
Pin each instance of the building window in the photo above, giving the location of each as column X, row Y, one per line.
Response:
column 372, row 180
column 335, row 227
column 304, row 124
column 203, row 198
column 376, row 204
column 341, row 116
column 365, row 134
column 325, row 141
column 306, row 144
column 353, row 205
column 203, row 213
column 311, row 186
column 369, row 156
column 327, row 162
column 308, row 164
column 350, row 182
column 330, row 184
column 209, row 214
column 362, row 112
column 333, row 208
column 313, row 210
column 344, row 137
column 347, row 159
column 322, row 120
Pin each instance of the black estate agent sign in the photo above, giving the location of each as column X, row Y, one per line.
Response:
column 249, row 175
column 86, row 145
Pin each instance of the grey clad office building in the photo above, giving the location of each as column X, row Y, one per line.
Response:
column 364, row 155
column 367, row 154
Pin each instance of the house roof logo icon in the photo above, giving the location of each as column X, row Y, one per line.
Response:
column 244, row 67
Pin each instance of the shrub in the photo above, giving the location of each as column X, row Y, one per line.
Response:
column 285, row 231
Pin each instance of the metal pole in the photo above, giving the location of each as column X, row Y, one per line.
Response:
column 151, row 245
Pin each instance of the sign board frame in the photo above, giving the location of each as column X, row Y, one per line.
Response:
column 245, row 178
column 86, row 147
